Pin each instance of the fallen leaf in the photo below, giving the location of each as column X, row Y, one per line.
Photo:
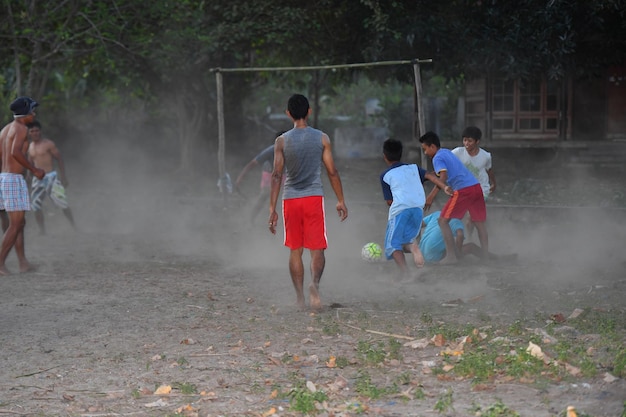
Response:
column 571, row 412
column 573, row 370
column 311, row 386
column 438, row 340
column 417, row 344
column 269, row 412
column 68, row 397
column 557, row 318
column 163, row 390
column 577, row 312
column 609, row 378
column 331, row 362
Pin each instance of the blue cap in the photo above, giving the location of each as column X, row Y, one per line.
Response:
column 22, row 106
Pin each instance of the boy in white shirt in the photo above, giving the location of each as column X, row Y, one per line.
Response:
column 478, row 161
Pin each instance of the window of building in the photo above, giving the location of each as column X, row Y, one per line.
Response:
column 524, row 106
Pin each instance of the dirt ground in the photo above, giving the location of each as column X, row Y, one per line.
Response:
column 166, row 285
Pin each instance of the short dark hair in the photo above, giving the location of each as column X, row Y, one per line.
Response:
column 472, row 132
column 298, row 106
column 392, row 149
column 430, row 138
column 34, row 123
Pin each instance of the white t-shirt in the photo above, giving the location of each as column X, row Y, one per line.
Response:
column 478, row 165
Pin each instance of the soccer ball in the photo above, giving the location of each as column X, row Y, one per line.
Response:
column 371, row 252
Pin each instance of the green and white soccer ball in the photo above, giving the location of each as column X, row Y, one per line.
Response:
column 371, row 252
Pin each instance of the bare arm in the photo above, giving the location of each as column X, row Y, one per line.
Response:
column 18, row 153
column 333, row 176
column 277, row 179
column 244, row 171
column 492, row 180
column 440, row 182
column 54, row 151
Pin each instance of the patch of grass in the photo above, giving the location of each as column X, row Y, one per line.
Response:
column 523, row 364
column 341, row 362
column 365, row 387
column 371, row 354
column 445, row 402
column 331, row 328
column 182, row 361
column 185, row 388
column 303, row 400
column 394, row 349
column 619, row 366
column 479, row 364
column 499, row 409
column 135, row 393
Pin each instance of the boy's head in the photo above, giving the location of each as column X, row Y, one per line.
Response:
column 23, row 106
column 472, row 132
column 34, row 130
column 430, row 143
column 298, row 107
column 471, row 138
column 392, row 150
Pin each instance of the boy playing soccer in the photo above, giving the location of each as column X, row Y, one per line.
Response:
column 467, row 195
column 404, row 193
column 478, row 161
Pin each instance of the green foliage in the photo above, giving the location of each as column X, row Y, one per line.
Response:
column 303, row 400
column 185, row 387
column 445, row 402
column 367, row 388
column 498, row 409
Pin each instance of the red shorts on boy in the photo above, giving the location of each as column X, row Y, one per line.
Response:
column 305, row 223
column 466, row 199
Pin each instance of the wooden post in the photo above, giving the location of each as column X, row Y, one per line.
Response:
column 419, row 130
column 221, row 141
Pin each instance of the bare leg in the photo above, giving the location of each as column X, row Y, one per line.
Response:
column 69, row 216
column 16, row 227
column 318, row 262
column 5, row 220
column 418, row 257
column 40, row 222
column 481, row 228
column 296, row 270
column 446, row 231
column 398, row 257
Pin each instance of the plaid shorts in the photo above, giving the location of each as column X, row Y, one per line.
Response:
column 13, row 192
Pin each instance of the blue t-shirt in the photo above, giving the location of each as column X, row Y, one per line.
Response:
column 458, row 174
column 432, row 245
column 402, row 183
column 265, row 158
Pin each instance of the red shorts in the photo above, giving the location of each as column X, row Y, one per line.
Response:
column 305, row 223
column 466, row 199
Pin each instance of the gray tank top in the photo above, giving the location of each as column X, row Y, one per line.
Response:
column 303, row 162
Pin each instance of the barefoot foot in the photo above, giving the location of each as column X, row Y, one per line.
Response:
column 26, row 267
column 314, row 300
column 4, row 271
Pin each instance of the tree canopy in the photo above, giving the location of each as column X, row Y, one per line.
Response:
column 156, row 56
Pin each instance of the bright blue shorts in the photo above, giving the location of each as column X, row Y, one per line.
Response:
column 402, row 229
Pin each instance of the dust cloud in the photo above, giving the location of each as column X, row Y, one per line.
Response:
column 138, row 199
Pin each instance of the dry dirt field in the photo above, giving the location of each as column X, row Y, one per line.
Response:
column 168, row 302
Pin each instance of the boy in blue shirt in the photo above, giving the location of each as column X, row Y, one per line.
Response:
column 403, row 190
column 465, row 191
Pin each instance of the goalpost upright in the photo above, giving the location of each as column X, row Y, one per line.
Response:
column 418, row 113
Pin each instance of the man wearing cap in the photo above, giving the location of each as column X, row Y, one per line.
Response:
column 13, row 189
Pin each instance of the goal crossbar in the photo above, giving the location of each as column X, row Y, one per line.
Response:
column 220, row 94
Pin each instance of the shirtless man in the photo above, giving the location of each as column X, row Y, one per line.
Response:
column 13, row 189
column 42, row 152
